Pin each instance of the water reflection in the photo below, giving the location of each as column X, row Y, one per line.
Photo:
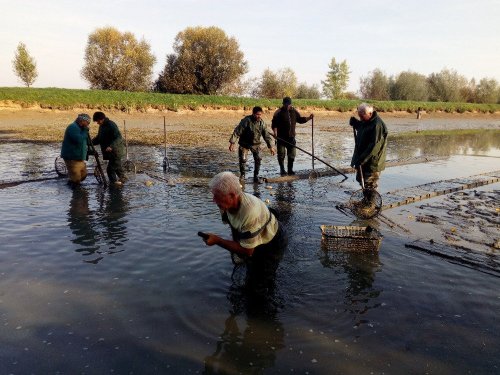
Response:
column 285, row 198
column 360, row 268
column 106, row 224
column 252, row 332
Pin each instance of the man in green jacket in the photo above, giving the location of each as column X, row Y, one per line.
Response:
column 75, row 147
column 112, row 147
column 249, row 131
column 370, row 145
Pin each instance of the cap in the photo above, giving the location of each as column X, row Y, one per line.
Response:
column 287, row 101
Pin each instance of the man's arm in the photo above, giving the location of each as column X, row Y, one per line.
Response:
column 301, row 119
column 238, row 130
column 229, row 245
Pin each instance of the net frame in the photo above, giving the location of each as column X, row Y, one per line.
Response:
column 351, row 238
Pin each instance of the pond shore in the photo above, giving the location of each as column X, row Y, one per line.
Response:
column 208, row 127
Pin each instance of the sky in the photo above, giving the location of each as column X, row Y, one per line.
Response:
column 422, row 36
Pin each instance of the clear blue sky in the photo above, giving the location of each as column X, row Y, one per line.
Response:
column 423, row 36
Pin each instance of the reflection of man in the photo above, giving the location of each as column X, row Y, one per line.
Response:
column 249, row 131
column 112, row 147
column 257, row 234
column 75, row 147
column 370, row 146
column 283, row 125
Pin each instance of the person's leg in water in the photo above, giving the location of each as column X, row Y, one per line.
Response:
column 242, row 160
column 281, row 157
column 291, row 152
column 257, row 161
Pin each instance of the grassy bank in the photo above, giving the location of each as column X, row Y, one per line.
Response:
column 66, row 99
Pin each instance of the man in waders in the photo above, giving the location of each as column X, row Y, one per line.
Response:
column 249, row 131
column 257, row 234
column 370, row 148
column 112, row 147
column 283, row 125
column 74, row 149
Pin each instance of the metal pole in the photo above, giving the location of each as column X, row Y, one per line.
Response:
column 126, row 143
column 312, row 141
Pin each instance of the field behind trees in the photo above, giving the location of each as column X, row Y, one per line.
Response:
column 66, row 99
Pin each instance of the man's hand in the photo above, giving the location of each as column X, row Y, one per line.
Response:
column 109, row 149
column 231, row 147
column 273, row 151
column 211, row 239
column 311, row 116
column 352, row 121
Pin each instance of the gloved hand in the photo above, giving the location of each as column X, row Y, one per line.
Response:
column 352, row 121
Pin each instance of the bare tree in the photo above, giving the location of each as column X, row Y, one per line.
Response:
column 117, row 61
column 24, row 65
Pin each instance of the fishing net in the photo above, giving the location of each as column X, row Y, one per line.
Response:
column 60, row 167
column 129, row 166
column 365, row 203
column 350, row 238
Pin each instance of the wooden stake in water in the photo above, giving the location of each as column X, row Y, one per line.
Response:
column 312, row 141
column 128, row 165
column 165, row 159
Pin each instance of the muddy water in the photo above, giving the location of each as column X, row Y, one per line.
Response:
column 116, row 281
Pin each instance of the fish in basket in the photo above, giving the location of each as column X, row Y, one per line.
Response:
column 351, row 238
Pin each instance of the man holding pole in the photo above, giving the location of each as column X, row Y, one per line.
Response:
column 112, row 147
column 370, row 134
column 283, row 125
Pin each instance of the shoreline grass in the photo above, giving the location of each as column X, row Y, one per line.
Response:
column 67, row 99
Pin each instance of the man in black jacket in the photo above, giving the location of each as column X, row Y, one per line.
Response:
column 112, row 147
column 283, row 125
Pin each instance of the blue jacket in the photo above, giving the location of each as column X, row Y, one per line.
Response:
column 75, row 143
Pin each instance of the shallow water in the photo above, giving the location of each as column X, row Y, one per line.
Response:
column 116, row 281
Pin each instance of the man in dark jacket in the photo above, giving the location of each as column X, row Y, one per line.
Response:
column 249, row 131
column 75, row 147
column 283, row 125
column 370, row 145
column 112, row 147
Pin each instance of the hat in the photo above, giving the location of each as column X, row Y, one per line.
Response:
column 84, row 117
column 287, row 101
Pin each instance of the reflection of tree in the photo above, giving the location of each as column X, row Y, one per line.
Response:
column 81, row 222
column 251, row 349
column 406, row 146
column 360, row 269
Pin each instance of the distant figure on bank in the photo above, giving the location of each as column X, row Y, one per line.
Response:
column 283, row 125
column 370, row 146
column 112, row 147
column 249, row 131
column 74, row 148
column 419, row 113
column 257, row 234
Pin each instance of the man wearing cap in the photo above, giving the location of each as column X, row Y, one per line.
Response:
column 283, row 125
column 75, row 148
column 249, row 131
column 112, row 147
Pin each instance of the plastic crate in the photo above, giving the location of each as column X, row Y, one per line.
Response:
column 351, row 238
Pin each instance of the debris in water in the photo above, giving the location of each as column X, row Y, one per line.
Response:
column 148, row 183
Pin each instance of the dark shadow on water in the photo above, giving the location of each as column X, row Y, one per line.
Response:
column 252, row 332
column 98, row 232
column 360, row 268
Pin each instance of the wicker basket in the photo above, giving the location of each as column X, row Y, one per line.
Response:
column 351, row 238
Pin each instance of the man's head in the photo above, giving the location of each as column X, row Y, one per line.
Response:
column 226, row 190
column 257, row 113
column 287, row 102
column 83, row 120
column 99, row 117
column 365, row 111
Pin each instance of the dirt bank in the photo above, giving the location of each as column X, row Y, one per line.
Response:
column 202, row 127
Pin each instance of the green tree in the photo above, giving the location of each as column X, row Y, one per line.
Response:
column 205, row 61
column 487, row 91
column 117, row 61
column 336, row 80
column 24, row 65
column 447, row 86
column 409, row 86
column 375, row 86
column 276, row 84
column 304, row 91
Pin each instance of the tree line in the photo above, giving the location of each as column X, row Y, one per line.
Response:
column 206, row 61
